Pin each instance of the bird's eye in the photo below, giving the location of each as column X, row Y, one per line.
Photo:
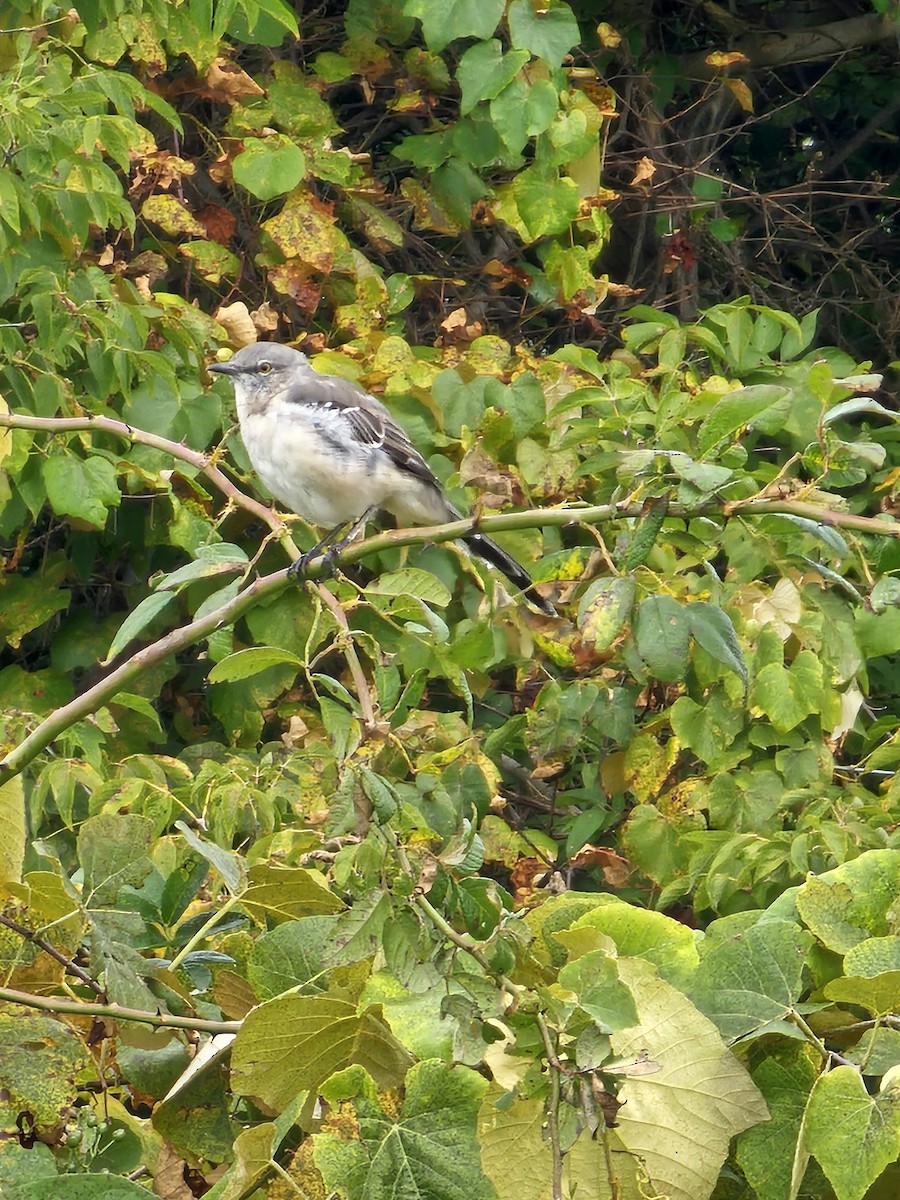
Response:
column 265, row 368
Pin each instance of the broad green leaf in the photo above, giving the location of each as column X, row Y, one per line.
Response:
column 418, row 1019
column 229, row 866
column 642, row 541
column 295, row 1043
column 548, row 32
column 12, row 830
column 594, row 980
column 641, row 933
column 244, row 663
column 269, row 167
column 113, row 849
column 764, row 405
column 708, row 729
column 852, row 903
column 713, row 629
column 751, row 979
column 442, row 23
column 516, row 1155
column 682, row 1146
column 357, row 932
column 484, row 71
column 852, row 1135
column 604, row 609
column 877, row 994
column 211, row 260
column 428, row 1150
column 788, row 695
column 138, row 620
column 410, row 581
column 84, row 488
column 662, row 633
column 286, row 893
column 290, row 955
column 80, row 1187
column 546, row 205
column 41, row 1061
column 771, row 1155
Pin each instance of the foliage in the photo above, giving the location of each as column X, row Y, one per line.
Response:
column 386, row 884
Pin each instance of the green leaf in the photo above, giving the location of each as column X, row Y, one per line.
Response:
column 764, row 406
column 713, row 629
column 244, row 663
column 604, row 609
column 662, row 633
column 788, row 695
column 484, row 71
column 410, row 581
column 269, row 167
column 295, row 1043
column 549, row 33
column 546, row 205
column 428, row 1151
column 229, row 866
column 40, row 1061
column 12, row 822
column 853, row 1135
column 80, row 1187
column 84, row 488
column 599, row 991
column 137, row 621
column 290, row 956
column 113, row 849
column 222, row 558
column 682, row 1147
column 769, row 1154
column 442, row 23
column 641, row 933
column 748, row 980
column 852, row 903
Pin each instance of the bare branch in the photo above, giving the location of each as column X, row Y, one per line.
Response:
column 58, row 1004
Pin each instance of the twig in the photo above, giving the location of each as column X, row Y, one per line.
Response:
column 553, row 1106
column 56, row 1004
column 178, row 639
column 348, row 649
column 72, row 968
column 203, row 462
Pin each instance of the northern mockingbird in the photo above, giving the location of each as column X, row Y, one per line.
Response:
column 334, row 454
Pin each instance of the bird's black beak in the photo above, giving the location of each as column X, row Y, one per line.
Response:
column 223, row 368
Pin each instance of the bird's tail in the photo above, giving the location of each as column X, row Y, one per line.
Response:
column 488, row 549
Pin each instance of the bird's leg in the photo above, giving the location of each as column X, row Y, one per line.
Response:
column 331, row 545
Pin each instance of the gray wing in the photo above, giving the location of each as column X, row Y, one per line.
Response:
column 369, row 421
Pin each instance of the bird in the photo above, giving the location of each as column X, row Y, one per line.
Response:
column 334, row 455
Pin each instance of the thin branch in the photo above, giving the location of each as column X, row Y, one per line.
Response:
column 348, row 649
column 56, row 1004
column 204, row 463
column 71, row 968
column 554, row 1066
column 178, row 639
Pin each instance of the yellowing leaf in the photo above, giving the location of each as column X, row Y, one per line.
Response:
column 741, row 93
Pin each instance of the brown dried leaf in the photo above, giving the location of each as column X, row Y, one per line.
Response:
column 616, row 870
column 168, row 1178
column 646, row 169
column 292, row 279
column 236, row 320
column 227, row 83
column 266, row 319
column 218, row 222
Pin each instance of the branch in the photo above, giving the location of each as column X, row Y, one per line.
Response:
column 56, row 1004
column 779, row 49
column 203, row 462
column 179, row 639
column 71, row 968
